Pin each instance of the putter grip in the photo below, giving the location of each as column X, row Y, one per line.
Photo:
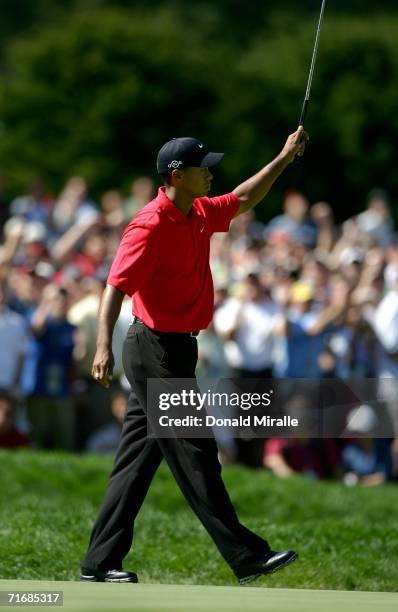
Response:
column 301, row 122
column 297, row 158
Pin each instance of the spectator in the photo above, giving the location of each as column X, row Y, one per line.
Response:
column 92, row 400
column 376, row 221
column 48, row 373
column 93, row 252
column 84, row 314
column 112, row 207
column 294, row 222
column 106, row 439
column 385, row 324
column 391, row 269
column 14, row 342
column 13, row 232
column 10, row 437
column 247, row 325
column 384, row 320
column 304, row 297
column 27, row 286
column 142, row 190
column 322, row 215
column 74, row 207
column 353, row 344
column 366, row 460
column 304, row 326
column 312, row 458
column 211, row 356
column 25, row 243
column 35, row 206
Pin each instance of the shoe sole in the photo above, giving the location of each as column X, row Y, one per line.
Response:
column 84, row 578
column 253, row 577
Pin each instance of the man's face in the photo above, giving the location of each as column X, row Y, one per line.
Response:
column 253, row 290
column 60, row 306
column 195, row 182
column 296, row 206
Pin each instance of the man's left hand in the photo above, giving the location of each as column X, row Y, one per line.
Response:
column 295, row 145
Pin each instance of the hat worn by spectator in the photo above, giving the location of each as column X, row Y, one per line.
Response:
column 279, row 237
column 34, row 231
column 43, row 270
column 301, row 292
column 185, row 152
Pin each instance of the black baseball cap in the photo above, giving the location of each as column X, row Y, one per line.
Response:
column 184, row 152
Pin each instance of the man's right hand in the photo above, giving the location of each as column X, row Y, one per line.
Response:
column 102, row 369
column 111, row 302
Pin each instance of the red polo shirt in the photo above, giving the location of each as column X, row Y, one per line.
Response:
column 163, row 261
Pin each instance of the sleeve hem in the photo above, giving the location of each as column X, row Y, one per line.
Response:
column 120, row 285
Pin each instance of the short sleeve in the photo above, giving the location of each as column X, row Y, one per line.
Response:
column 220, row 211
column 135, row 259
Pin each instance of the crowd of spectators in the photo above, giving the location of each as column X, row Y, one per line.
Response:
column 298, row 297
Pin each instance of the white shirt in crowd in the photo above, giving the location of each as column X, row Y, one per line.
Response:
column 385, row 324
column 253, row 344
column 384, row 321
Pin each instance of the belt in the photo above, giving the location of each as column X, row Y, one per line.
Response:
column 192, row 334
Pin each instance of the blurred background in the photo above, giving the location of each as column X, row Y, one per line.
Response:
column 94, row 87
column 305, row 287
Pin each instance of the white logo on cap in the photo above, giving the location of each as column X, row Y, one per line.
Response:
column 174, row 164
column 200, row 146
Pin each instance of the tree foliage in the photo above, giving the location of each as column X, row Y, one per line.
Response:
column 98, row 93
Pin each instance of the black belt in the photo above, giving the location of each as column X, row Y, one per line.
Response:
column 192, row 334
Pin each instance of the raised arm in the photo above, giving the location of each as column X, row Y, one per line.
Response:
column 68, row 241
column 252, row 191
column 111, row 302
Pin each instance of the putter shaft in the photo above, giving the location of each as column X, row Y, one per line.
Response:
column 311, row 73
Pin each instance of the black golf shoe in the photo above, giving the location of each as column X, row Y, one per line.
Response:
column 113, row 575
column 272, row 562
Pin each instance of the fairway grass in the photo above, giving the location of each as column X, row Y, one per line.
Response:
column 95, row 597
column 346, row 538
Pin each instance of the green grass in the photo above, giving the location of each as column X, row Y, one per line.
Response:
column 347, row 539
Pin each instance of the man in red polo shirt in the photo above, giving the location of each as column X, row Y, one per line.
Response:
column 163, row 263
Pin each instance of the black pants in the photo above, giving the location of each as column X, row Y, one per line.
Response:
column 193, row 462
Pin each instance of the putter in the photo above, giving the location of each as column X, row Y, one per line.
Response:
column 311, row 73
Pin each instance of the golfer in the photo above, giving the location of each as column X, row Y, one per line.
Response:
column 163, row 262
